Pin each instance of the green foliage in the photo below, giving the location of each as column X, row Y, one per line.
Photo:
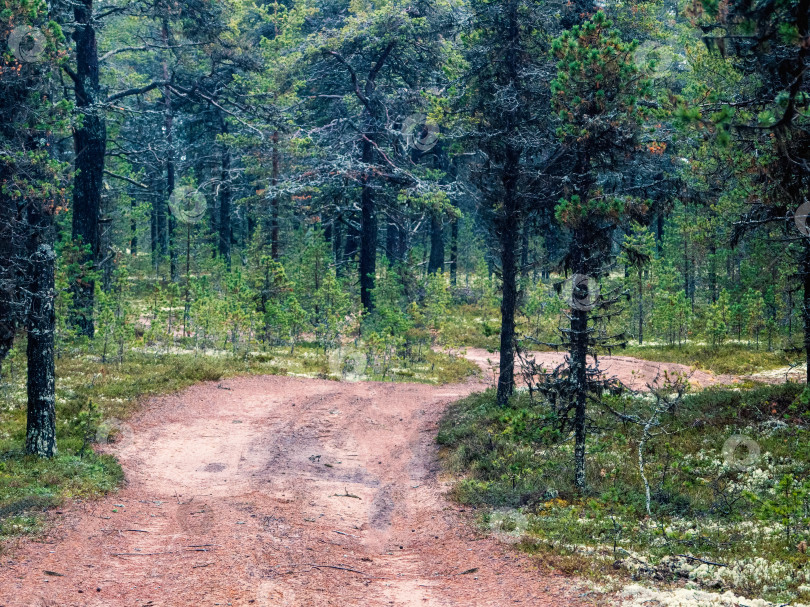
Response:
column 516, row 457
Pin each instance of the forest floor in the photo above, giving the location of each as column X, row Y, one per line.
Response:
column 283, row 491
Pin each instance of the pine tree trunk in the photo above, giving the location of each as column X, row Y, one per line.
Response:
column 524, row 249
column 579, row 367
column 368, row 237
column 274, row 208
column 805, row 270
column 640, row 308
column 393, row 240
column 350, row 245
column 225, row 202
column 41, row 419
column 436, row 261
column 168, row 124
column 90, row 141
column 506, row 376
column 133, row 229
column 8, row 280
column 508, row 232
column 454, row 251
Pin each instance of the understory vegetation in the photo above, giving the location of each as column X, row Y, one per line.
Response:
column 722, row 518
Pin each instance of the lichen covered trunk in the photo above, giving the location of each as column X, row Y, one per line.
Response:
column 41, row 423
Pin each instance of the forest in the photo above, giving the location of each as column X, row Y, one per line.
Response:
column 541, row 267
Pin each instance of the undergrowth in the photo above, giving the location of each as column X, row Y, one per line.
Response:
column 718, row 521
column 734, row 359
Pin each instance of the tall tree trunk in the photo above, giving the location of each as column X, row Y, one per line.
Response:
column 154, row 232
column 508, row 231
column 168, row 123
column 90, row 141
column 274, row 205
column 133, row 229
column 225, row 235
column 368, row 204
column 454, row 251
column 391, row 241
column 351, row 242
column 368, row 236
column 41, row 419
column 436, row 261
column 659, row 232
column 805, row 269
column 640, row 307
column 9, row 317
column 579, row 375
column 395, row 238
column 508, row 217
column 524, row 249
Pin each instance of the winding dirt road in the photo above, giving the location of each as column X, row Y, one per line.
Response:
column 632, row 372
column 278, row 491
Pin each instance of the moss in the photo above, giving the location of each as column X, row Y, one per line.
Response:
column 514, row 457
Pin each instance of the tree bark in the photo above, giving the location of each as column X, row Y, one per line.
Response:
column 133, row 229
column 583, row 264
column 508, row 218
column 41, row 417
column 579, row 375
column 9, row 287
column 395, row 237
column 640, row 307
column 454, row 251
column 806, row 303
column 350, row 244
column 436, row 261
column 508, row 232
column 90, row 141
column 225, row 235
column 368, row 236
column 274, row 209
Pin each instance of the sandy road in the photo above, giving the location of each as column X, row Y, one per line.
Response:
column 632, row 372
column 279, row 491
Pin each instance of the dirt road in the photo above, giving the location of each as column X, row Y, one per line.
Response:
column 633, row 372
column 279, row 491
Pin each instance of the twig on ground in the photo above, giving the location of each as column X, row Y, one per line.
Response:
column 694, row 558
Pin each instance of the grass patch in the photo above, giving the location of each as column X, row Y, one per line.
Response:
column 734, row 359
column 515, row 465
